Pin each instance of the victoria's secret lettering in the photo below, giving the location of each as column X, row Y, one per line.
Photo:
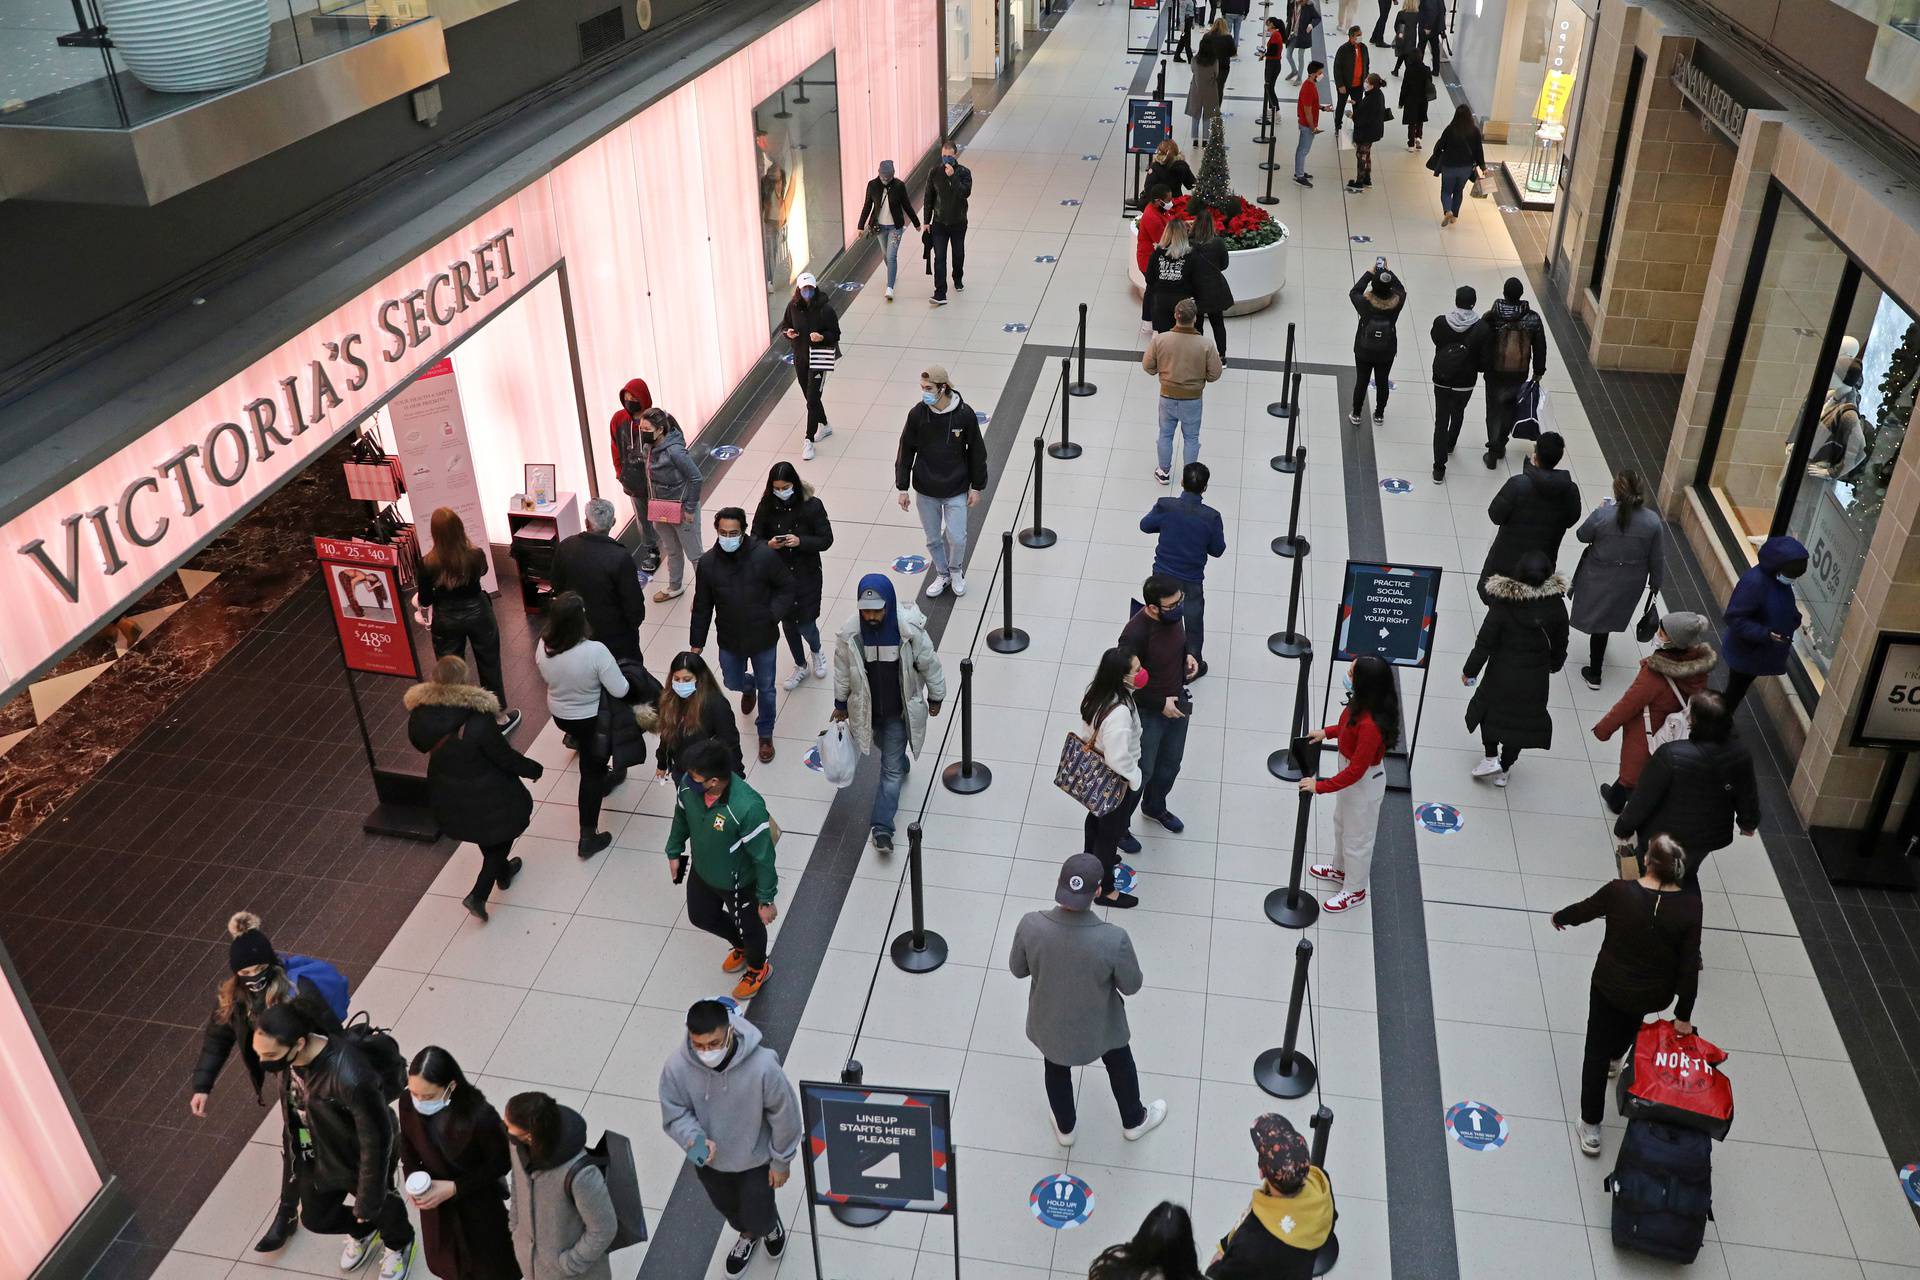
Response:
column 222, row 458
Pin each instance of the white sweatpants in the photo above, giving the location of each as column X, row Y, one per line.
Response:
column 1356, row 818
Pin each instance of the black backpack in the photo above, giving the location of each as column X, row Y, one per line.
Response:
column 634, row 454
column 1662, row 1189
column 613, row 1157
column 1377, row 337
column 382, row 1052
column 1453, row 364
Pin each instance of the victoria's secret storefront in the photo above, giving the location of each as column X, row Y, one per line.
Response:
column 645, row 249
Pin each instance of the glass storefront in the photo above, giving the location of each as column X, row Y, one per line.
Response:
column 957, row 16
column 797, row 137
column 1812, row 412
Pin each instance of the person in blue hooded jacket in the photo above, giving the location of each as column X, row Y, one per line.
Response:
column 1761, row 617
column 887, row 680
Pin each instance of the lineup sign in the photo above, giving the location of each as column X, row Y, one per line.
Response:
column 1149, row 123
column 1388, row 611
column 878, row 1148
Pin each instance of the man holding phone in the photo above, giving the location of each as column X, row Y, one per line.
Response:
column 946, row 217
column 721, row 827
column 1159, row 635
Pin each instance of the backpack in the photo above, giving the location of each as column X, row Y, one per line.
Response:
column 1662, row 1189
column 331, row 982
column 1512, row 347
column 1453, row 365
column 1677, row 727
column 613, row 1157
column 1377, row 337
column 382, row 1053
column 634, row 452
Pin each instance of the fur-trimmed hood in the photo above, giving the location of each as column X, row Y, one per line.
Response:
column 1501, row 587
column 1682, row 664
column 465, row 697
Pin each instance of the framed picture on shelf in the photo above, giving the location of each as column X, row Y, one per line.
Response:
column 542, row 482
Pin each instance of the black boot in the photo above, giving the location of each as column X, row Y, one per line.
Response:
column 280, row 1231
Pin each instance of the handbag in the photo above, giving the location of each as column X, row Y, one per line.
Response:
column 1649, row 625
column 1085, row 775
column 1482, row 187
column 821, row 359
column 663, row 511
column 1526, row 411
column 1676, row 1080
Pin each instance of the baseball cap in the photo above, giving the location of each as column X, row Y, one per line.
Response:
column 871, row 599
column 1079, row 881
column 806, row 279
column 937, row 375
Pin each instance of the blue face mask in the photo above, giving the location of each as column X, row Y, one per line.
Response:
column 1171, row 613
column 785, row 495
column 1783, row 579
column 685, row 688
column 807, row 294
column 1346, row 681
column 929, row 397
column 729, row 543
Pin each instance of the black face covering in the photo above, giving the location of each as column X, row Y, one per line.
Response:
column 276, row 1064
column 259, row 982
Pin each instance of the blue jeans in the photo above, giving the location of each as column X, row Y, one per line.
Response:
column 890, row 249
column 1296, row 61
column 1163, row 746
column 1184, row 414
column 1300, row 150
column 1233, row 25
column 733, row 674
column 945, row 523
column 1453, row 184
column 890, row 736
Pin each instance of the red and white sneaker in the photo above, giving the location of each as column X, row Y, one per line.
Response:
column 1328, row 872
column 1345, row 900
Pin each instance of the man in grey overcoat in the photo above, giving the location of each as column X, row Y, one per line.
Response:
column 1082, row 967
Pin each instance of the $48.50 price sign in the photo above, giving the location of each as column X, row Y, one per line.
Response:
column 363, row 591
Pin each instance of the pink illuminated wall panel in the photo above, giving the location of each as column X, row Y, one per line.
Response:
column 46, row 1173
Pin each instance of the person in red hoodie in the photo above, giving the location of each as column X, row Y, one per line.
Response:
column 1369, row 721
column 1309, row 108
column 1154, row 216
column 630, row 464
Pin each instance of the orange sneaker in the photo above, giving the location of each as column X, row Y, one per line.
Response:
column 735, row 961
column 752, row 980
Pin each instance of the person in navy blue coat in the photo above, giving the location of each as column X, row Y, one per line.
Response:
column 1190, row 532
column 1762, row 617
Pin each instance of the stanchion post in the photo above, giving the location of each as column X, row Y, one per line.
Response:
column 856, row 1215
column 1082, row 387
column 1286, row 1072
column 1281, row 763
column 1291, row 543
column 1160, row 85
column 1293, row 907
column 966, row 776
column 1291, row 643
column 1269, row 164
column 1039, row 536
column 1064, row 448
column 1006, row 638
column 919, row 949
column 1322, row 1125
column 1289, row 400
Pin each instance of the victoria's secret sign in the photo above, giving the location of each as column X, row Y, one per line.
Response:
column 172, row 500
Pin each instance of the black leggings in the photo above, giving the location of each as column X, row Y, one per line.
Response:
column 1596, row 649
column 1378, row 371
column 1610, row 1033
column 595, row 781
column 812, row 383
column 730, row 915
column 325, row 1213
column 1738, row 682
column 493, row 868
column 1103, row 836
column 1218, row 320
column 1491, row 746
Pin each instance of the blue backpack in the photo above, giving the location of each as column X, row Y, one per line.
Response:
column 331, row 982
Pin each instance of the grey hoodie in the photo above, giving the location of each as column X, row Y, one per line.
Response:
column 671, row 470
column 746, row 1108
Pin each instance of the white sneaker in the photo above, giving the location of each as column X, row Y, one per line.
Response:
column 1156, row 1112
column 1345, row 900
column 795, row 680
column 1064, row 1139
column 937, row 585
column 1613, row 1068
column 826, row 431
column 356, row 1252
column 1487, row 767
column 397, row 1262
column 1500, row 778
column 889, row 293
column 820, row 664
column 806, row 453
column 959, row 583
column 1589, row 1138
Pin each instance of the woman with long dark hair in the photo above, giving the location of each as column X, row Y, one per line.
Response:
column 561, row 1216
column 794, row 522
column 577, row 668
column 1369, row 723
column 1111, row 726
column 1211, row 293
column 694, row 708
column 1459, row 154
column 1162, row 1249
column 451, row 585
column 451, row 1133
column 1624, row 538
column 811, row 324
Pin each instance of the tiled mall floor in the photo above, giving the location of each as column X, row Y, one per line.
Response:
column 578, row 983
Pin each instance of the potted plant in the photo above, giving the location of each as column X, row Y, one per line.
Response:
column 190, row 46
column 1256, row 240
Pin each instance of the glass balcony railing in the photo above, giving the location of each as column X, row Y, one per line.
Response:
column 116, row 64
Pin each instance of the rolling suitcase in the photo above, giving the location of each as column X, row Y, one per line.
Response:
column 1662, row 1188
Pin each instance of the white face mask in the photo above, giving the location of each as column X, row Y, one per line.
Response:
column 433, row 1108
column 713, row 1057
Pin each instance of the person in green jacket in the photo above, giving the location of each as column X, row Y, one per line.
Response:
column 722, row 824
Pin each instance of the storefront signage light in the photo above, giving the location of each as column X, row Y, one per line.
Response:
column 221, row 458
column 1721, row 109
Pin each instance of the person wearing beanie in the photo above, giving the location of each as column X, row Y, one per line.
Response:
column 1670, row 675
column 258, row 981
column 630, row 458
column 1456, row 340
column 1291, row 1215
column 943, row 459
column 1624, row 553
column 813, row 327
column 1378, row 298
column 1513, row 349
column 887, row 680
column 887, row 211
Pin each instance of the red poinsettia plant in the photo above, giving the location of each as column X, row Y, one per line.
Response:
column 1245, row 224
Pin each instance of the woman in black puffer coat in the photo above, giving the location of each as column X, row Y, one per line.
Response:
column 1211, row 292
column 1521, row 644
column 1696, row 791
column 792, row 521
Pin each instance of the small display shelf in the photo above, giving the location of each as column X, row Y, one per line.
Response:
column 532, row 536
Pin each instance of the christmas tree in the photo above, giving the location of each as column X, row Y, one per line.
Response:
column 1214, row 187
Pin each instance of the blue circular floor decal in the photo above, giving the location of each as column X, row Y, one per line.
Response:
column 812, row 758
column 1910, row 1182
column 1046, row 257
column 848, row 286
column 1394, row 484
column 1125, row 878
column 909, row 564
column 725, row 452
column 1061, row 1202
column 1015, row 327
column 1361, row 239
column 1070, row 204
column 982, row 417
column 786, row 357
column 1441, row 819
column 1476, row 1126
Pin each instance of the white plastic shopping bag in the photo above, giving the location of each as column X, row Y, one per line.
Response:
column 838, row 756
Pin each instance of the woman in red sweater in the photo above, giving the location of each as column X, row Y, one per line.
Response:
column 1369, row 721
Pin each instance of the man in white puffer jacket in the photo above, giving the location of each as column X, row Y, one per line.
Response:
column 886, row 681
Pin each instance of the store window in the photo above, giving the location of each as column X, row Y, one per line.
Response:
column 958, row 17
column 797, row 133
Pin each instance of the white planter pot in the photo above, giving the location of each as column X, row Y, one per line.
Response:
column 1256, row 276
column 190, row 46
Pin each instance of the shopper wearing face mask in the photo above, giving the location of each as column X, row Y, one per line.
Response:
column 1149, row 227
column 694, row 708
column 949, row 187
column 742, row 585
column 1159, row 636
column 1110, row 724
column 339, row 1137
column 943, row 459
column 1368, row 724
column 260, row 980
column 451, row 1138
column 886, row 681
column 629, row 439
column 561, row 1215
column 674, row 483
column 726, row 1103
column 721, row 827
column 812, row 325
column 793, row 521
column 1761, row 617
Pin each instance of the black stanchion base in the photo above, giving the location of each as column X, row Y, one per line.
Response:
column 1266, row 199
column 1289, row 644
column 1283, row 463
column 1297, row 1083
column 965, row 781
column 1291, row 546
column 1035, row 539
column 1269, row 166
column 1262, row 139
column 1064, row 450
column 1001, row 640
column 1297, row 914
column 1326, row 1256
column 1280, row 764
column 1081, row 388
column 859, row 1215
column 925, row 958
column 1281, row 409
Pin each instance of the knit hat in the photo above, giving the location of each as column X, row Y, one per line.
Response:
column 1383, row 284
column 886, row 169
column 1282, row 1152
column 249, row 946
column 1684, row 630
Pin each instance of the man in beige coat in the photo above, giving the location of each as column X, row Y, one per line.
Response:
column 1186, row 361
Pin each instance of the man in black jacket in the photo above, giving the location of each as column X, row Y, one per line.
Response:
column 594, row 564
column 946, row 218
column 1512, row 341
column 1456, row 347
column 1351, row 63
column 747, row 585
column 1533, row 510
column 340, row 1136
column 888, row 210
column 943, row 458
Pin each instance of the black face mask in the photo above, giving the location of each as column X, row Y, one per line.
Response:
column 259, row 982
column 276, row 1065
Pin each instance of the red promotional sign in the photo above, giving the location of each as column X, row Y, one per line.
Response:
column 363, row 590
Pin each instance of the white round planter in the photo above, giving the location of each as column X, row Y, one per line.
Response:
column 190, row 46
column 1256, row 276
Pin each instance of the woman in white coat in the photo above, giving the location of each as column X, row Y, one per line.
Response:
column 1111, row 725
